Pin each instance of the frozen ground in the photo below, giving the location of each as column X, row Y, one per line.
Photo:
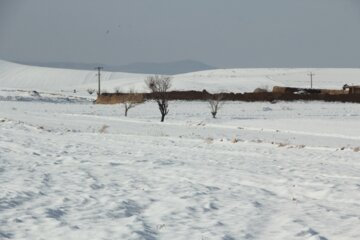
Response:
column 74, row 170
column 16, row 76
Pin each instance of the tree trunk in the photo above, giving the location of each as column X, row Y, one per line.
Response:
column 126, row 110
column 162, row 117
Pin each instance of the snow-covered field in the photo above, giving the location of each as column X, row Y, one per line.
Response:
column 16, row 76
column 70, row 169
column 73, row 170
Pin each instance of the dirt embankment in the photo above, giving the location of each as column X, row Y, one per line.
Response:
column 114, row 98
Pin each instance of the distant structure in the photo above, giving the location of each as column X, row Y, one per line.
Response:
column 352, row 89
column 346, row 89
column 99, row 76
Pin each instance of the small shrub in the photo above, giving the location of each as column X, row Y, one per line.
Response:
column 209, row 140
column 90, row 91
column 216, row 103
column 260, row 90
column 117, row 90
column 103, row 129
column 131, row 100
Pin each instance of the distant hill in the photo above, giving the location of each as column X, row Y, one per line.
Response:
column 169, row 68
column 17, row 76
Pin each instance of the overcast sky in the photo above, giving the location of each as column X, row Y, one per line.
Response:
column 223, row 33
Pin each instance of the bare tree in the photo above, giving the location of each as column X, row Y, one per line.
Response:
column 90, row 91
column 159, row 86
column 131, row 100
column 117, row 90
column 216, row 103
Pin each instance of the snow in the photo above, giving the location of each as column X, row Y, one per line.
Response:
column 16, row 76
column 70, row 169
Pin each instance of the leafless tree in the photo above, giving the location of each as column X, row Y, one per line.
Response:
column 131, row 100
column 216, row 103
column 117, row 90
column 90, row 91
column 159, row 86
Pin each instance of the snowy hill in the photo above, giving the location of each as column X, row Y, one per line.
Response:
column 71, row 169
column 19, row 76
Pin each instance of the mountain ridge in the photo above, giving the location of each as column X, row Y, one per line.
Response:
column 166, row 68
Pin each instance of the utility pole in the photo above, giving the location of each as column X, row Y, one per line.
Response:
column 311, row 79
column 99, row 74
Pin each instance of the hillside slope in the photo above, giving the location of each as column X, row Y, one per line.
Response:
column 233, row 80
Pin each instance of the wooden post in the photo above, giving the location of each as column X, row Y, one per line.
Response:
column 99, row 74
column 311, row 79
